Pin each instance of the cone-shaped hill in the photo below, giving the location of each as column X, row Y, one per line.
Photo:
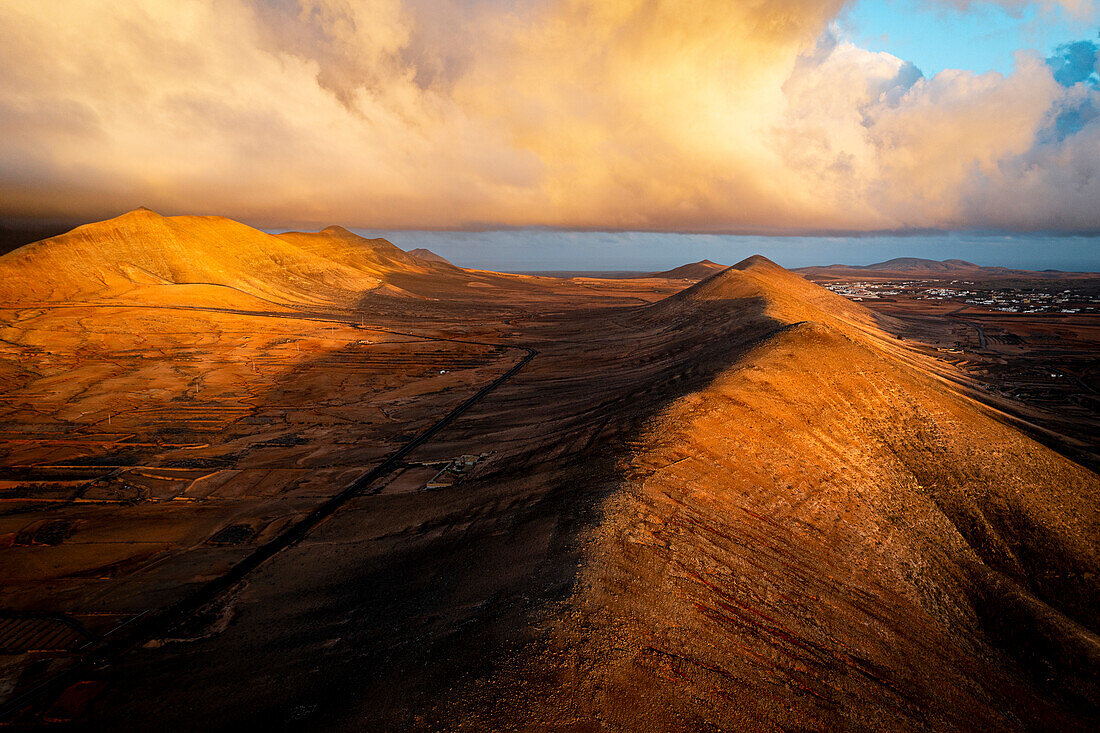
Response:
column 744, row 506
column 428, row 256
column 143, row 254
column 691, row 271
column 757, row 284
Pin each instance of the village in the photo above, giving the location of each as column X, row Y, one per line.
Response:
column 1033, row 299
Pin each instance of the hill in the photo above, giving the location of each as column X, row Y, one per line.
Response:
column 916, row 267
column 144, row 255
column 921, row 264
column 337, row 244
column 826, row 535
column 757, row 286
column 429, row 256
column 692, row 271
column 743, row 506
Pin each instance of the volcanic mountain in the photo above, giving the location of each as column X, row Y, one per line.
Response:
column 827, row 535
column 916, row 267
column 747, row 505
column 144, row 255
column 428, row 256
column 692, row 271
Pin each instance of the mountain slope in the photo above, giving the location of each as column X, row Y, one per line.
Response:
column 144, row 254
column 337, row 244
column 692, row 271
column 428, row 256
column 760, row 286
column 825, row 536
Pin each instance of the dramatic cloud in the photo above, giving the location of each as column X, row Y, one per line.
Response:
column 700, row 115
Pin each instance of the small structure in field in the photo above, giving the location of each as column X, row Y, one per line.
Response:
column 453, row 472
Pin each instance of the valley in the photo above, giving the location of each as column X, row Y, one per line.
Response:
column 376, row 492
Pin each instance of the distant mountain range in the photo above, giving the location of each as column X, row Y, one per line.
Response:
column 902, row 267
column 897, row 268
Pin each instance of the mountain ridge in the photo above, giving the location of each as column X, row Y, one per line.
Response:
column 949, row 268
column 146, row 255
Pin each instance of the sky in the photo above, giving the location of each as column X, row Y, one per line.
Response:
column 547, row 250
column 636, row 121
column 984, row 38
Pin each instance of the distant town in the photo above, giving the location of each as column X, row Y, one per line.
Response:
column 1007, row 300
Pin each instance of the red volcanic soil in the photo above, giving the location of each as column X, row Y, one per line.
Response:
column 743, row 505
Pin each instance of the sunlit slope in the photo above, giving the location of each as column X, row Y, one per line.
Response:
column 757, row 289
column 144, row 253
column 691, row 271
column 428, row 256
column 827, row 537
column 337, row 244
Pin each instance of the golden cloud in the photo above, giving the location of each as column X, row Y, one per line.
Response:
column 693, row 115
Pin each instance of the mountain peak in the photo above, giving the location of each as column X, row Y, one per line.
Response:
column 339, row 231
column 140, row 214
column 428, row 256
column 756, row 262
column 693, row 271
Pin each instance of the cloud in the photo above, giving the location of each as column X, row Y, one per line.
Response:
column 698, row 115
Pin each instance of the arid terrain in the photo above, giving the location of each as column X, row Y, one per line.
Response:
column 311, row 481
column 1030, row 339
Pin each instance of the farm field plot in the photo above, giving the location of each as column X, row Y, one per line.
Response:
column 135, row 438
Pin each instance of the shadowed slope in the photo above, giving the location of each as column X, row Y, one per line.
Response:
column 824, row 537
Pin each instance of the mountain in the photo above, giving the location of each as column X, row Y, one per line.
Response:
column 916, row 267
column 744, row 506
column 428, row 255
column 691, row 271
column 921, row 264
column 337, row 244
column 758, row 287
column 825, row 535
column 144, row 255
